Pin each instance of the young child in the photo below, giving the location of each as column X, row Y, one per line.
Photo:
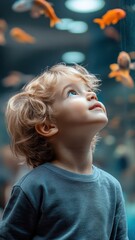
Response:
column 53, row 122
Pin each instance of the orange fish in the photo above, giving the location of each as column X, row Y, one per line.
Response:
column 121, row 70
column 48, row 11
column 16, row 78
column 110, row 17
column 21, row 36
column 3, row 27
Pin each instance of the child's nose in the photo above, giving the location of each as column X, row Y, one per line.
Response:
column 91, row 95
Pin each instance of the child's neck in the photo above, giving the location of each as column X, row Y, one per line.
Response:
column 75, row 159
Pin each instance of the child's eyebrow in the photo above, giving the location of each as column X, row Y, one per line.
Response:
column 77, row 84
column 68, row 86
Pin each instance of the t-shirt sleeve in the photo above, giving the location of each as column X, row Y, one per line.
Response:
column 120, row 221
column 19, row 217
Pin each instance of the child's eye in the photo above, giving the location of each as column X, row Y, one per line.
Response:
column 72, row 93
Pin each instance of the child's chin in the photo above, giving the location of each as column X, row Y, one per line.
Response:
column 102, row 118
column 105, row 122
column 102, row 122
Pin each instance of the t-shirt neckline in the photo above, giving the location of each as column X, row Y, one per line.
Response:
column 74, row 176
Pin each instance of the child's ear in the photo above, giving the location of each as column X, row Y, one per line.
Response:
column 46, row 129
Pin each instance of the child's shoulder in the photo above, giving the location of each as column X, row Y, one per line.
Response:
column 31, row 186
column 108, row 178
column 33, row 177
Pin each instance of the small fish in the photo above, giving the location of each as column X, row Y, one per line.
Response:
column 132, row 54
column 16, row 78
column 28, row 5
column 3, row 27
column 112, row 33
column 36, row 11
column 48, row 11
column 22, row 5
column 21, row 36
column 110, row 17
column 121, row 70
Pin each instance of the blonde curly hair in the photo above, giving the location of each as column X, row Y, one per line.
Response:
column 33, row 105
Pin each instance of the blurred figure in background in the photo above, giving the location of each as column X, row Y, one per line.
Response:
column 10, row 172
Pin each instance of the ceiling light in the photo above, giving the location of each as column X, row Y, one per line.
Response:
column 73, row 57
column 84, row 6
column 78, row 27
column 64, row 24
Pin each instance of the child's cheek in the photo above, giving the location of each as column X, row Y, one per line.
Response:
column 78, row 104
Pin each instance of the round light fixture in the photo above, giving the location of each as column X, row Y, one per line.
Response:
column 85, row 6
column 64, row 24
column 78, row 27
column 73, row 57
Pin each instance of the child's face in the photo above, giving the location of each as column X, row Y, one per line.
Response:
column 76, row 105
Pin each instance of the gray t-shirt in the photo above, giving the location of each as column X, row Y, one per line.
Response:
column 50, row 203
